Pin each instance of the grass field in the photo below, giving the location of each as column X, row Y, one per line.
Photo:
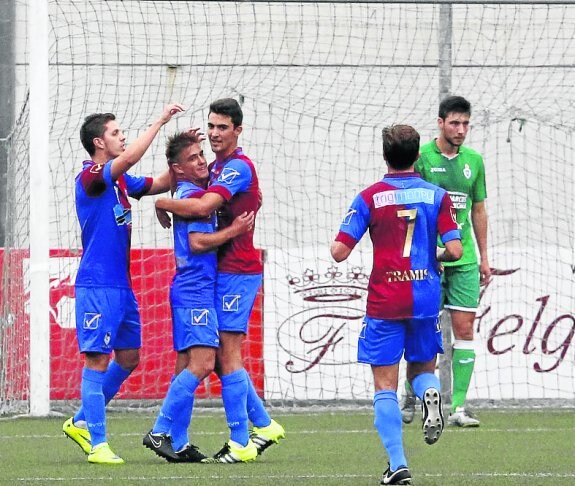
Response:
column 322, row 447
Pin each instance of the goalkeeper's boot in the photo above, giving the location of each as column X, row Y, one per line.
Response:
column 408, row 406
column 161, row 444
column 463, row 418
column 263, row 437
column 400, row 476
column 232, row 453
column 79, row 435
column 102, row 454
column 432, row 416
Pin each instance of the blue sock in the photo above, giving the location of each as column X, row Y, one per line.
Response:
column 388, row 424
column 234, row 396
column 424, row 381
column 174, row 416
column 257, row 413
column 114, row 377
column 94, row 404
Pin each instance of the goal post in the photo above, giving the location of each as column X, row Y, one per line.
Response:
column 317, row 80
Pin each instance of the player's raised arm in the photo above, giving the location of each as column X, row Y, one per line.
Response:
column 134, row 152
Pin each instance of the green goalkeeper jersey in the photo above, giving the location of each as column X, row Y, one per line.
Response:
column 463, row 177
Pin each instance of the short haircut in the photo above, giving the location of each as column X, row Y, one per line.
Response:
column 93, row 127
column 228, row 107
column 400, row 146
column 454, row 104
column 179, row 142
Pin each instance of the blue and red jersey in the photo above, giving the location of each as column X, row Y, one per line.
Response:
column 105, row 216
column 235, row 179
column 194, row 283
column 404, row 214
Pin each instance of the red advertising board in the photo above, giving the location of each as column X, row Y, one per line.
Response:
column 152, row 270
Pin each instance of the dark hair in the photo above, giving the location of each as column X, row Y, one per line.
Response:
column 400, row 146
column 228, row 107
column 454, row 104
column 93, row 127
column 177, row 143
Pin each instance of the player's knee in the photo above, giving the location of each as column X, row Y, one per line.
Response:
column 129, row 360
column 202, row 367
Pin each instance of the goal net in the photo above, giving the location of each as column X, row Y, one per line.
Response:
column 318, row 82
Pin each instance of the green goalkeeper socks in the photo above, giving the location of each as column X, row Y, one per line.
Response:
column 462, row 366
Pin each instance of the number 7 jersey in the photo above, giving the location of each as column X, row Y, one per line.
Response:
column 404, row 215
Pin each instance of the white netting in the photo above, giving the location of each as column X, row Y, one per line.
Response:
column 317, row 82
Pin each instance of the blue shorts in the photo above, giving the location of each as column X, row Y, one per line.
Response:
column 107, row 319
column 235, row 297
column 382, row 342
column 194, row 327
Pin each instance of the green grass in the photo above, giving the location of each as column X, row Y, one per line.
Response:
column 322, row 447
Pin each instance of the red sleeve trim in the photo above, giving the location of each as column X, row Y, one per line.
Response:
column 346, row 239
column 222, row 191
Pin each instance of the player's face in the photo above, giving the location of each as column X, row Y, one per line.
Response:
column 113, row 141
column 454, row 128
column 222, row 134
column 192, row 165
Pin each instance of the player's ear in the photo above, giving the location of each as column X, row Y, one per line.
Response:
column 98, row 143
column 238, row 130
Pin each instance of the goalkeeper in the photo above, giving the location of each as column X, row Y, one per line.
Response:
column 404, row 216
column 458, row 169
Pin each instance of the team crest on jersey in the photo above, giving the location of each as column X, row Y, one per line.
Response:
column 200, row 317
column 96, row 168
column 348, row 216
column 467, row 171
column 228, row 175
column 91, row 320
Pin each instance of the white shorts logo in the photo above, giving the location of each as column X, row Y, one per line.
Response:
column 230, row 303
column 91, row 320
column 200, row 317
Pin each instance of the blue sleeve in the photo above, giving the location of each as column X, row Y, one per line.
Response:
column 235, row 177
column 136, row 185
column 356, row 220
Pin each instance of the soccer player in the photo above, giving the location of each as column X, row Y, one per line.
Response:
column 194, row 321
column 458, row 169
column 404, row 216
column 234, row 189
column 107, row 315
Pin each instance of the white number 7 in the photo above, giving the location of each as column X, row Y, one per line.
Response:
column 410, row 214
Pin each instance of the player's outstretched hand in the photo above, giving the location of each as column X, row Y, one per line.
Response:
column 244, row 222
column 169, row 111
column 163, row 217
column 196, row 132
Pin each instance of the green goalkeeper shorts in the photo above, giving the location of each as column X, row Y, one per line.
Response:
column 460, row 288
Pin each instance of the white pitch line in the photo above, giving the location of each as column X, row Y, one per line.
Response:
column 307, row 432
column 484, row 475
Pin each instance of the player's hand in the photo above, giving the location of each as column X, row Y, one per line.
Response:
column 484, row 273
column 163, row 217
column 169, row 111
column 244, row 222
column 196, row 132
